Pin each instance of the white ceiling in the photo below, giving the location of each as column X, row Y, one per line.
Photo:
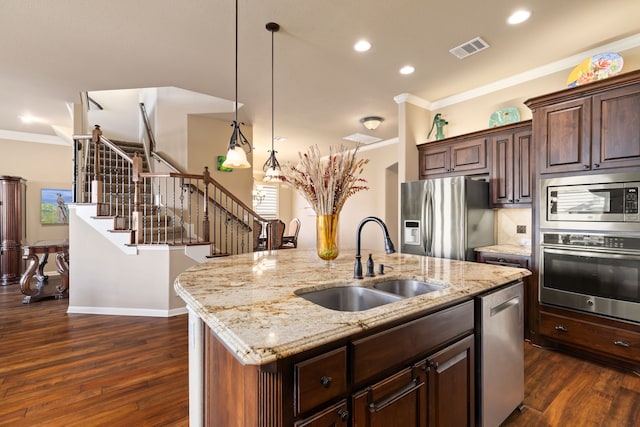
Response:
column 53, row 50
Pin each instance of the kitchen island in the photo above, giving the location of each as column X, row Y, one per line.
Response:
column 252, row 335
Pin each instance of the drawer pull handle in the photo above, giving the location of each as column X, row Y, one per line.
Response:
column 561, row 328
column 404, row 391
column 326, row 381
column 621, row 343
column 344, row 415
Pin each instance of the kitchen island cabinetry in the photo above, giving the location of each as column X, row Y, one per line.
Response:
column 511, row 167
column 443, row 382
column 262, row 355
column 590, row 127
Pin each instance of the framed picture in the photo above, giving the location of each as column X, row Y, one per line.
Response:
column 54, row 207
column 221, row 168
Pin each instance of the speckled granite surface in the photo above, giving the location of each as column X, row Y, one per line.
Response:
column 506, row 249
column 250, row 300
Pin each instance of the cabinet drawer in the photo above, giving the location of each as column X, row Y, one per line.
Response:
column 320, row 379
column 336, row 415
column 591, row 336
column 373, row 354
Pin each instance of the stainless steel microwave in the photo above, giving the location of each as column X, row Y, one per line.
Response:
column 607, row 202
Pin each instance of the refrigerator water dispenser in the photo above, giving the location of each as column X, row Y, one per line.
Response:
column 412, row 233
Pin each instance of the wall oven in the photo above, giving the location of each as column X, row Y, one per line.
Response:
column 606, row 202
column 597, row 273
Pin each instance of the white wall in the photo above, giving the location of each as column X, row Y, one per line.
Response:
column 105, row 280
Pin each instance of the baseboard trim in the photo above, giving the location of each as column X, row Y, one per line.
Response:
column 117, row 311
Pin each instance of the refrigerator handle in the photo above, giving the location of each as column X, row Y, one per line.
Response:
column 429, row 225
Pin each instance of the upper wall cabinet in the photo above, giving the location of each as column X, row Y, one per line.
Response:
column 454, row 156
column 511, row 167
column 590, row 127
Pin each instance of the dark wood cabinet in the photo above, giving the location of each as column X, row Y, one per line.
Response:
column 616, row 128
column 12, row 228
column 386, row 377
column 588, row 128
column 334, row 416
column 451, row 385
column 400, row 400
column 608, row 340
column 454, row 156
column 511, row 168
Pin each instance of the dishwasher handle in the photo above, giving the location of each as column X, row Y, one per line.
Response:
column 502, row 263
column 504, row 305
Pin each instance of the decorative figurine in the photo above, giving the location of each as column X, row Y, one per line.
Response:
column 439, row 124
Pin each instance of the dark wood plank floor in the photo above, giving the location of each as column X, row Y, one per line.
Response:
column 59, row 369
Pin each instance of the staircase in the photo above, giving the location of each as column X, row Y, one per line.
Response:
column 169, row 208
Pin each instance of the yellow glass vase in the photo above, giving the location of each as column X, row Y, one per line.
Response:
column 327, row 236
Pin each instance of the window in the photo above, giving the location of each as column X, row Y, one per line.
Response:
column 265, row 201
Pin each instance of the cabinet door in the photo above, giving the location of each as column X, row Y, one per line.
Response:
column 469, row 156
column 522, row 167
column 335, row 416
column 451, row 394
column 502, row 169
column 616, row 128
column 434, row 160
column 399, row 400
column 565, row 136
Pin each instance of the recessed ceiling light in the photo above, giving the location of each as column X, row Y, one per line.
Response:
column 362, row 46
column 279, row 139
column 519, row 16
column 407, row 69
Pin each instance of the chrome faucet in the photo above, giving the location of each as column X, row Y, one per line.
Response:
column 388, row 244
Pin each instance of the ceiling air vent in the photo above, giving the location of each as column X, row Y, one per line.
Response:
column 469, row 48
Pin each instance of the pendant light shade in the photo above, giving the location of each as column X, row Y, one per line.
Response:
column 237, row 154
column 272, row 167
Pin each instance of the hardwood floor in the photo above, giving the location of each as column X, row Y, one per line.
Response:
column 565, row 391
column 59, row 369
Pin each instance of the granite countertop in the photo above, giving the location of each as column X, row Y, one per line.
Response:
column 249, row 300
column 523, row 250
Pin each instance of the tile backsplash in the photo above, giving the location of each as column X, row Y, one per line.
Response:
column 507, row 224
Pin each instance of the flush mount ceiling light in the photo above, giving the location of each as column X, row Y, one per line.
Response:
column 407, row 69
column 362, row 46
column 237, row 154
column 371, row 122
column 271, row 167
column 518, row 17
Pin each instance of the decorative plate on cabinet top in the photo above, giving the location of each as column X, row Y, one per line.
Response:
column 504, row 117
column 597, row 67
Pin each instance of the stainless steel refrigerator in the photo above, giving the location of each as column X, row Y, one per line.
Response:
column 445, row 217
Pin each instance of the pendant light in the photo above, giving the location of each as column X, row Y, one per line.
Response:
column 272, row 167
column 237, row 155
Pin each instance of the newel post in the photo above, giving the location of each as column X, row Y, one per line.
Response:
column 136, row 215
column 96, row 183
column 206, row 180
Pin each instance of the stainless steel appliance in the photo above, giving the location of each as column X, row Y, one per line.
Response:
column 607, row 202
column 445, row 217
column 501, row 351
column 598, row 273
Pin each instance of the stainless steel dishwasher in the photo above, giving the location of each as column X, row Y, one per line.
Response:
column 501, row 354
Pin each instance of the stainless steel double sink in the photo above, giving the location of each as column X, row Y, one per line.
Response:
column 359, row 298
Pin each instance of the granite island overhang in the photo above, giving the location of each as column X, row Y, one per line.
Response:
column 250, row 301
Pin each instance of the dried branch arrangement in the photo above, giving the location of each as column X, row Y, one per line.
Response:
column 326, row 185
